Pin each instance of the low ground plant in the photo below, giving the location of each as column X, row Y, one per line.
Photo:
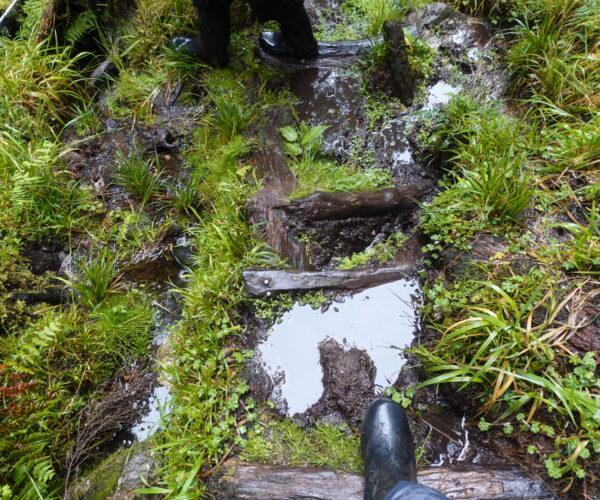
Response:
column 314, row 172
column 138, row 174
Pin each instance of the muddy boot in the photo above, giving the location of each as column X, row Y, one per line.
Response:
column 296, row 38
column 213, row 34
column 387, row 449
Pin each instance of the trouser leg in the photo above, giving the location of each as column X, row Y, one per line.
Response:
column 293, row 19
column 407, row 490
column 214, row 28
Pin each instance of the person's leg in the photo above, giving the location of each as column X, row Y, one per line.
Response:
column 214, row 28
column 407, row 490
column 296, row 38
column 387, row 447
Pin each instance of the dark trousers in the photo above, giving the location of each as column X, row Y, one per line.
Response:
column 290, row 14
column 407, row 490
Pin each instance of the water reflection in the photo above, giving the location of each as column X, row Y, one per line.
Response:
column 374, row 320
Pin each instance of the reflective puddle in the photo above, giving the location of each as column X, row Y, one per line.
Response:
column 158, row 402
column 375, row 320
column 440, row 93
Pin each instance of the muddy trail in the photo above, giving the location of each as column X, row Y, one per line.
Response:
column 326, row 361
column 338, row 340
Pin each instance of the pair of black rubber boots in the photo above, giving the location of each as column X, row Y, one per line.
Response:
column 296, row 38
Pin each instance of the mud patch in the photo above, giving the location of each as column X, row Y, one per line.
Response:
column 368, row 328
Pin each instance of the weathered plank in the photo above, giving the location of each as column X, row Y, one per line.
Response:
column 336, row 206
column 265, row 282
column 245, row 481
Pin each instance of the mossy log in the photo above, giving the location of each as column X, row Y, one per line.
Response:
column 338, row 206
column 270, row 482
column 264, row 282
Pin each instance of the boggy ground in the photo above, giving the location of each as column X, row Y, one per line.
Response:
column 165, row 152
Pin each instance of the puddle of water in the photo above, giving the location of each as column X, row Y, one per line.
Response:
column 329, row 97
column 440, row 93
column 148, row 425
column 374, row 320
column 449, row 438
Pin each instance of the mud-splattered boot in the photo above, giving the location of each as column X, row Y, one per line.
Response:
column 296, row 38
column 387, row 449
column 214, row 28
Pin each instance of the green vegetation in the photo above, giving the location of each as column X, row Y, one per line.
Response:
column 381, row 252
column 315, row 173
column 505, row 326
column 284, row 443
column 527, row 178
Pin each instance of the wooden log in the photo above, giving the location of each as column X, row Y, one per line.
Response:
column 338, row 206
column 270, row 482
column 402, row 74
column 53, row 10
column 264, row 282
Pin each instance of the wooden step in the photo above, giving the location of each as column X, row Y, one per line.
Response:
column 271, row 482
column 265, row 282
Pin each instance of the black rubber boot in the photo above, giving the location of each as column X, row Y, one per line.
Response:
column 387, row 449
column 296, row 38
column 214, row 29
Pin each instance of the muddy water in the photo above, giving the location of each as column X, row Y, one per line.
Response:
column 440, row 94
column 158, row 402
column 379, row 320
column 329, row 96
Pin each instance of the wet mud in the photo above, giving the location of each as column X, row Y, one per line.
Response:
column 315, row 358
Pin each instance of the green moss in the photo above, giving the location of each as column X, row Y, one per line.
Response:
column 101, row 482
column 14, row 276
column 285, row 443
column 382, row 252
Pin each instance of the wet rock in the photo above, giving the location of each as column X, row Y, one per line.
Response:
column 47, row 257
column 135, row 475
column 157, row 140
column 348, row 382
column 429, row 16
column 116, row 477
column 183, row 252
column 101, row 482
column 402, row 74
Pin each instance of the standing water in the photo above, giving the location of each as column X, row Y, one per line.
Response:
column 380, row 320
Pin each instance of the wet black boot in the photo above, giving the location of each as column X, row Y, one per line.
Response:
column 296, row 38
column 387, row 449
column 214, row 28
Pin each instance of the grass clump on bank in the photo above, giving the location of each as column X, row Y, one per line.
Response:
column 506, row 323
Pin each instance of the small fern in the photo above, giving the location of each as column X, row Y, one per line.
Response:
column 83, row 25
